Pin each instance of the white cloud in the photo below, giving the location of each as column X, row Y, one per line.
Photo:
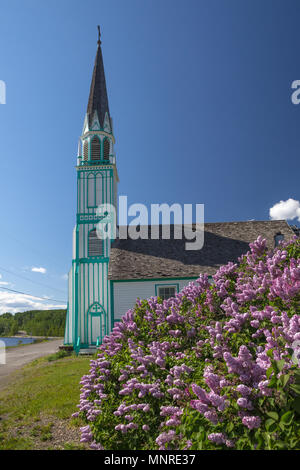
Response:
column 4, row 283
column 286, row 210
column 65, row 277
column 13, row 302
column 39, row 270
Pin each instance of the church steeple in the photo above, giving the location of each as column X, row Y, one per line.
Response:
column 98, row 109
column 89, row 310
column 97, row 137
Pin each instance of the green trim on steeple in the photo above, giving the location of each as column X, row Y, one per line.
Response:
column 89, row 274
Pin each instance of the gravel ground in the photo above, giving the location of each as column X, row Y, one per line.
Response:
column 51, row 433
column 21, row 355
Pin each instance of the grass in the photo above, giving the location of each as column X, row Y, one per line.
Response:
column 36, row 408
column 57, row 355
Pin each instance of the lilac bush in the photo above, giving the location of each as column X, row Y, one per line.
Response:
column 214, row 367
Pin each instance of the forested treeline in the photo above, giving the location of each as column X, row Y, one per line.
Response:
column 34, row 322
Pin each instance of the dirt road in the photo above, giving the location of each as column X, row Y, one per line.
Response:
column 17, row 357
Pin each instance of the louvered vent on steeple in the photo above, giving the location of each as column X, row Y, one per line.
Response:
column 106, row 149
column 95, row 244
column 85, row 150
column 95, row 149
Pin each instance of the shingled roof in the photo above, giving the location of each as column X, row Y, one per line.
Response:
column 223, row 242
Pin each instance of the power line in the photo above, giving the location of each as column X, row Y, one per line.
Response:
column 26, row 245
column 30, row 295
column 30, row 280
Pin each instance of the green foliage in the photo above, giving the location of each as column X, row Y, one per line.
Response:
column 34, row 322
column 282, row 425
column 58, row 355
column 238, row 392
column 43, row 432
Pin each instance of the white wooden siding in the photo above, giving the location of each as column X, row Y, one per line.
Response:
column 69, row 325
column 126, row 293
column 90, row 284
column 74, row 243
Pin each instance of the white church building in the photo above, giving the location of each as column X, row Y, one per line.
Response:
column 107, row 276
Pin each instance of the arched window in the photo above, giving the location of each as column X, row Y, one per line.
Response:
column 95, row 149
column 100, row 181
column 91, row 190
column 278, row 237
column 95, row 244
column 106, row 149
column 85, row 150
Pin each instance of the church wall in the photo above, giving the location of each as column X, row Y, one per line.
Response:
column 68, row 330
column 94, row 187
column 74, row 243
column 125, row 293
column 93, row 288
column 89, row 284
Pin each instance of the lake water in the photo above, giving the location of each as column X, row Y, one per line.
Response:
column 12, row 341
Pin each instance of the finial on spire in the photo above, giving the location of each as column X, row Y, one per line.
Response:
column 99, row 35
column 98, row 100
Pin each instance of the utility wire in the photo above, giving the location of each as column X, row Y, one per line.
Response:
column 26, row 245
column 30, row 295
column 30, row 280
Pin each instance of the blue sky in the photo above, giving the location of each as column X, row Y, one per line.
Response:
column 200, row 94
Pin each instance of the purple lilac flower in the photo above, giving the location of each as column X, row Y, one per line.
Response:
column 267, row 275
column 217, row 438
column 251, row 422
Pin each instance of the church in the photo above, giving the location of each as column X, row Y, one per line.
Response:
column 108, row 275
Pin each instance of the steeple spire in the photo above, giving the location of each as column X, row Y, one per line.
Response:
column 99, row 36
column 98, row 100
